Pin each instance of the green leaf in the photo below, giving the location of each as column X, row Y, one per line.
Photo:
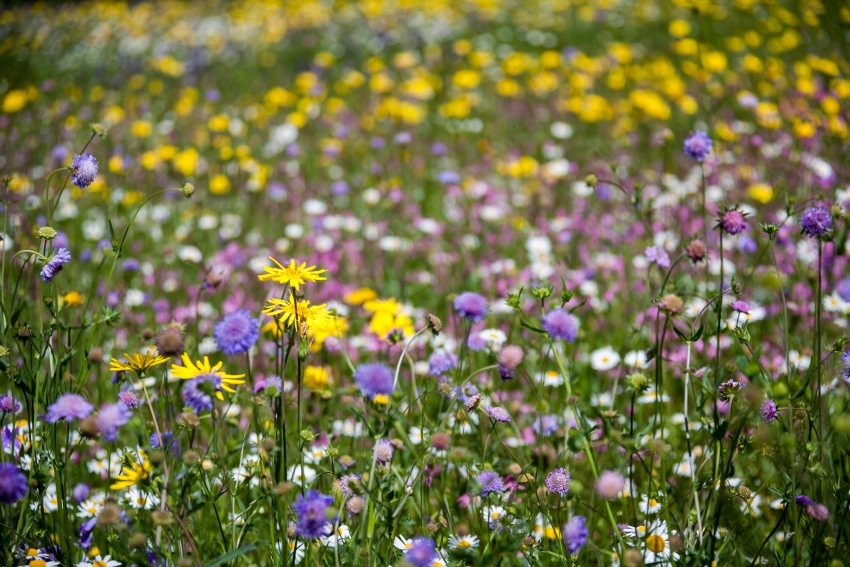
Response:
column 231, row 555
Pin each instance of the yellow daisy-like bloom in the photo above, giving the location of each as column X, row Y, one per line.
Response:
column 316, row 377
column 292, row 274
column 190, row 370
column 137, row 363
column 301, row 314
column 130, row 476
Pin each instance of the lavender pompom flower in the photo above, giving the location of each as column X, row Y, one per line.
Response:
column 374, row 379
column 383, row 451
column 740, row 306
column 84, row 169
column 13, row 483
column 471, row 306
column 509, row 358
column 768, row 411
column 422, row 552
column 728, row 390
column 237, row 332
column 129, row 399
column 499, row 414
column 560, row 325
column 198, row 391
column 110, row 418
column 55, row 264
column 816, row 222
column 440, row 362
column 8, row 404
column 575, row 533
column 310, row 509
column 490, row 482
column 558, row 482
column 69, row 407
column 733, row 222
column 698, row 145
column 80, row 492
column 657, row 255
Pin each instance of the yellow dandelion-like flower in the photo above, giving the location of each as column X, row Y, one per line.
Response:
column 300, row 313
column 293, row 274
column 134, row 474
column 137, row 363
column 190, row 370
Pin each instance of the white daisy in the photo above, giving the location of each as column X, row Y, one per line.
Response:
column 464, row 543
column 604, row 358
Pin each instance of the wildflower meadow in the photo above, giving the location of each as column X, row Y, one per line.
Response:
column 425, row 283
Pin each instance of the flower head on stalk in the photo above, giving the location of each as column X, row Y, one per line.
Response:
column 300, row 313
column 293, row 274
column 728, row 390
column 55, row 264
column 84, row 169
column 223, row 381
column 137, row 363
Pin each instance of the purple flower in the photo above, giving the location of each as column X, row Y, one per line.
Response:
column 345, row 483
column 129, row 399
column 733, row 222
column 55, row 264
column 84, row 170
column 818, row 512
column 490, row 482
column 804, row 500
column 374, row 379
column 80, row 492
column 310, row 508
column 561, row 325
column 728, row 390
column 698, row 145
column 545, row 424
column 383, row 451
column 422, row 552
column 657, row 255
column 558, row 482
column 740, row 306
column 816, row 221
column 441, row 362
column 843, row 289
column 70, row 407
column 768, row 411
column 9, row 404
column 110, row 418
column 575, row 533
column 237, row 332
column 198, row 391
column 499, row 414
column 13, row 483
column 471, row 306
column 448, row 177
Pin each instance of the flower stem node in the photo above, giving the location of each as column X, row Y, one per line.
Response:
column 188, row 189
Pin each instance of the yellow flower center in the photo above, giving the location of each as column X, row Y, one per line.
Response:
column 653, row 502
column 99, row 564
column 464, row 544
column 655, row 543
column 38, row 563
column 32, row 552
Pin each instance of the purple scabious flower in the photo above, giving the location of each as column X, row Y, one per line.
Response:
column 84, row 170
column 55, row 265
column 698, row 145
column 804, row 500
column 383, row 451
column 129, row 399
column 345, row 482
column 158, row 443
column 273, row 386
column 558, row 482
column 422, row 552
column 80, row 492
column 110, row 418
column 575, row 533
column 69, row 407
column 13, row 483
column 728, row 390
column 440, row 362
column 733, row 222
column 845, row 362
column 545, row 424
column 448, row 177
column 657, row 255
column 198, row 391
column 499, row 414
column 471, row 306
column 560, row 325
column 237, row 332
column 310, row 508
column 768, row 411
column 740, row 306
column 816, row 221
column 490, row 482
column 374, row 379
column 9, row 404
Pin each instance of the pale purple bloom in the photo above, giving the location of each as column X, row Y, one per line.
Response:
column 374, row 379
column 422, row 552
column 471, row 306
column 55, row 264
column 84, row 169
column 69, row 407
column 110, row 418
column 698, row 145
column 575, row 534
column 237, row 332
column 768, row 411
column 490, row 482
column 558, row 482
column 816, row 221
column 13, row 483
column 561, row 325
column 733, row 222
column 499, row 414
column 657, row 255
column 310, row 508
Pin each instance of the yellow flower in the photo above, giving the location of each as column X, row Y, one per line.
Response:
column 338, row 326
column 761, row 192
column 361, row 295
column 137, row 363
column 71, row 299
column 300, row 313
column 292, row 274
column 14, row 101
column 316, row 377
column 190, row 370
column 130, row 476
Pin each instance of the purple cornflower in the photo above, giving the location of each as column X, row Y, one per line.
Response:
column 733, row 222
column 575, row 533
column 698, row 145
column 740, row 306
column 13, row 483
column 422, row 552
column 490, row 482
column 197, row 392
column 80, row 492
column 560, row 325
column 383, row 451
column 310, row 510
column 9, row 404
column 55, row 265
column 657, row 255
column 558, row 482
column 816, row 222
column 728, row 390
column 129, row 399
column 499, row 414
column 440, row 362
column 768, row 411
column 84, row 170
column 804, row 500
column 110, row 418
column 69, row 407
column 471, row 306
column 237, row 332
column 374, row 379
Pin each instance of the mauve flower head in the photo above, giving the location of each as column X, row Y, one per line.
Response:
column 560, row 325
column 439, row 149
column 311, row 518
column 816, row 222
column 499, row 414
column 13, row 483
column 422, row 552
column 558, row 482
column 69, row 407
column 237, row 332
column 110, row 418
column 471, row 306
column 610, row 484
column 575, row 534
column 696, row 251
column 473, row 402
column 84, row 170
column 448, row 177
column 374, row 379
column 843, row 289
column 440, row 362
column 740, row 306
column 490, row 482
column 657, row 255
column 768, row 411
column 733, row 222
column 55, row 264
column 80, row 492
column 9, row 404
column 169, row 341
column 129, row 399
column 383, row 451
column 803, row 500
column 818, row 512
column 196, row 392
column 509, row 358
column 698, row 145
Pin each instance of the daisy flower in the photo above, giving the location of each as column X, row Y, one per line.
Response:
column 463, row 543
column 223, row 381
column 99, row 561
column 293, row 275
